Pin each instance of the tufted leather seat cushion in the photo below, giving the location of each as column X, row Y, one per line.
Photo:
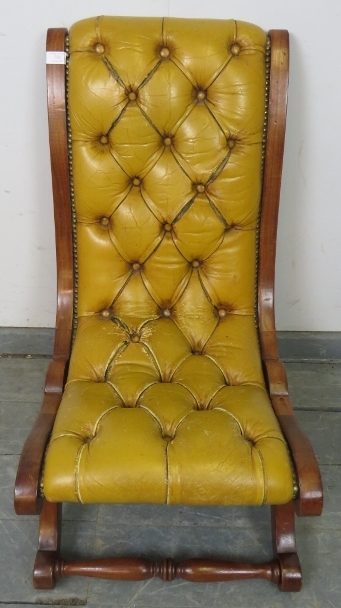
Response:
column 165, row 399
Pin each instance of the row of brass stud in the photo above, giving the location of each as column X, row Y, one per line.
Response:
column 72, row 195
column 264, row 139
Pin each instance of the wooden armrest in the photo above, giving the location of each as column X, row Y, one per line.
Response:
column 309, row 500
column 27, row 499
column 310, row 497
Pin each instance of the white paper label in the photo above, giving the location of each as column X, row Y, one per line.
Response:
column 55, row 57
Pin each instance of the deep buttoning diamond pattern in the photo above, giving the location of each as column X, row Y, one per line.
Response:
column 165, row 383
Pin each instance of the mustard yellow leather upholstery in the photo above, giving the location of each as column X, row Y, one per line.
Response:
column 165, row 399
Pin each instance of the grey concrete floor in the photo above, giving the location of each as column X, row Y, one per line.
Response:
column 177, row 531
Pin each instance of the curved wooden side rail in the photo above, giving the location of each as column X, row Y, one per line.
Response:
column 27, row 500
column 309, row 500
column 56, row 104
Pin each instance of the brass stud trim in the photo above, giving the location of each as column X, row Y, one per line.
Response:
column 72, row 196
column 265, row 129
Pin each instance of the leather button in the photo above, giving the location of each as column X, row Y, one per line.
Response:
column 201, row 95
column 136, row 266
column 88, row 438
column 167, row 437
column 197, row 353
column 135, row 338
column 105, row 313
column 231, row 143
column 104, row 139
column 250, row 441
column 200, row 188
column 166, row 312
column 136, row 181
column 99, row 48
column 168, row 227
column 164, row 52
column 132, row 96
column 105, row 221
column 167, row 141
column 195, row 264
column 222, row 313
column 235, row 49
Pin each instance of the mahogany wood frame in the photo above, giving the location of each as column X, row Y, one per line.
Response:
column 284, row 568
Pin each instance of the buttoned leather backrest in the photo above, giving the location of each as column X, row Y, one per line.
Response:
column 167, row 128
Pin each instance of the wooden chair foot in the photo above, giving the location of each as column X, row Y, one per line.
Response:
column 284, row 546
column 44, row 570
column 290, row 572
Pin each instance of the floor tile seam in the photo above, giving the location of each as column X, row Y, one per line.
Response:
column 145, row 525
column 320, row 459
column 27, row 356
column 323, row 528
column 19, row 518
column 62, row 602
column 264, row 524
column 317, row 411
column 25, row 401
column 311, row 360
column 96, row 605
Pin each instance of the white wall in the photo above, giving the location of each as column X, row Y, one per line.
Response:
column 309, row 248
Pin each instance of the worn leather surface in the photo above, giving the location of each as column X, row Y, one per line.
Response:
column 165, row 399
